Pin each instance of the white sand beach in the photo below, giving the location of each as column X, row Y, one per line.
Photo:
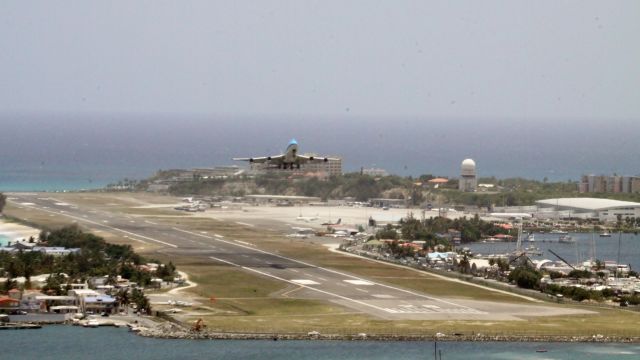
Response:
column 10, row 231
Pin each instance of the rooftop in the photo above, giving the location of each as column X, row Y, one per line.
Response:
column 592, row 204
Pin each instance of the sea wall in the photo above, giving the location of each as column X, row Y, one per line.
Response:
column 173, row 331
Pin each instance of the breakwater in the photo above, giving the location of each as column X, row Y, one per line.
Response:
column 173, row 331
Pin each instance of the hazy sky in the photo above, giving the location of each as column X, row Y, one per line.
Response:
column 435, row 59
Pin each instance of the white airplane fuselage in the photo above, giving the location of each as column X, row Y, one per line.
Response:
column 290, row 153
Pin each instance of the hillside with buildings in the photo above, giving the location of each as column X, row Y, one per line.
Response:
column 69, row 270
column 326, row 181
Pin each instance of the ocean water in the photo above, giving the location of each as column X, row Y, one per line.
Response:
column 606, row 248
column 67, row 342
column 4, row 239
column 39, row 178
column 66, row 152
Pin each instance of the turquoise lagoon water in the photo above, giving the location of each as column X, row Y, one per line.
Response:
column 606, row 248
column 4, row 239
column 67, row 342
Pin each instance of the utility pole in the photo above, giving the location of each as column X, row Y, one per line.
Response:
column 435, row 348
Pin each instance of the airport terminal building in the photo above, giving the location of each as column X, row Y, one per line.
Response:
column 588, row 208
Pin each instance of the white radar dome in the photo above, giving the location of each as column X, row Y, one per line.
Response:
column 468, row 167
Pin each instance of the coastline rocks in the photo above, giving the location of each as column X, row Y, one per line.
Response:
column 173, row 331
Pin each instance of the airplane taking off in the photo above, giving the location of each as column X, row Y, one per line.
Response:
column 289, row 160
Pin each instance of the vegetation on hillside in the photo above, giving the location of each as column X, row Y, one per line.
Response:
column 360, row 187
column 3, row 201
column 417, row 191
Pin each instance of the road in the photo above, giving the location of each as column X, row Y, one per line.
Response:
column 355, row 292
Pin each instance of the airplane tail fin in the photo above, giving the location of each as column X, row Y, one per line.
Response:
column 339, row 221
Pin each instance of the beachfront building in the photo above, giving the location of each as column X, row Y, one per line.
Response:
column 590, row 208
column 468, row 178
column 98, row 304
column 8, row 305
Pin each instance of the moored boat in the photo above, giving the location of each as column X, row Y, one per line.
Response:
column 91, row 324
column 566, row 239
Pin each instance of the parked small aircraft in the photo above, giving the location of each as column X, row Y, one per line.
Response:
column 307, row 218
column 332, row 224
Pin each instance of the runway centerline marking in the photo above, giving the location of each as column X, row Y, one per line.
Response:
column 383, row 296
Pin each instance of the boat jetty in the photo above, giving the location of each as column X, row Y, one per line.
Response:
column 5, row 324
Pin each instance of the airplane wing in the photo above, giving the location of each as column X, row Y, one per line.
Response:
column 305, row 158
column 262, row 159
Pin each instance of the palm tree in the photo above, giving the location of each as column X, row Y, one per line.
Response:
column 123, row 297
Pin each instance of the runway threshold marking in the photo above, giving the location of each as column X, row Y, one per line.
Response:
column 305, row 282
column 109, row 227
column 332, row 271
column 359, row 282
column 301, row 285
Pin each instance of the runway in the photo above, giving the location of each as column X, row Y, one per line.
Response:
column 311, row 281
